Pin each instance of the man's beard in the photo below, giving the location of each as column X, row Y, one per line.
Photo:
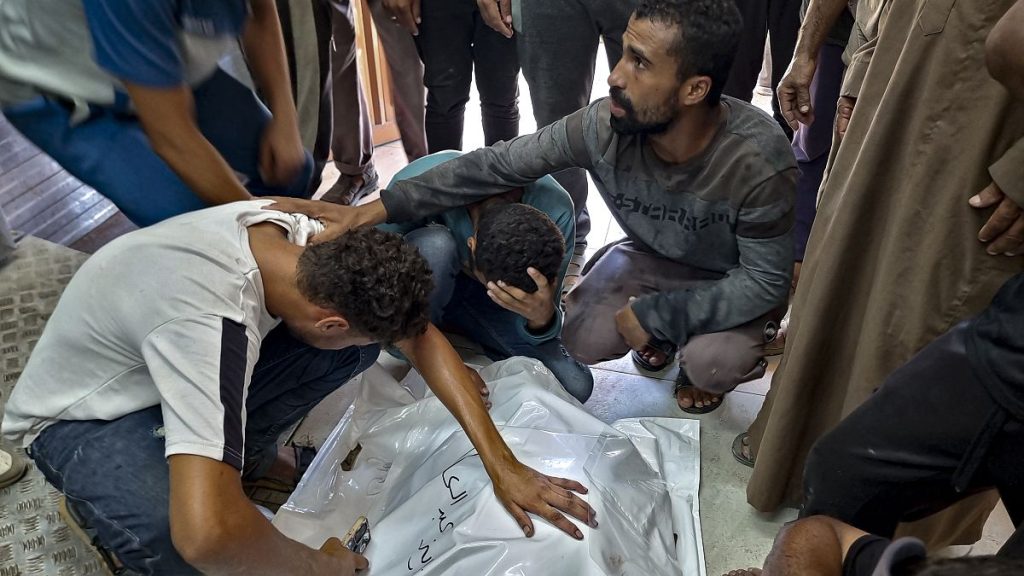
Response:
column 630, row 123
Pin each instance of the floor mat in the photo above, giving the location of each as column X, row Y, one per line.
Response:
column 33, row 538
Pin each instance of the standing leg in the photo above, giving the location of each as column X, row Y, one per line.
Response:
column 446, row 46
column 115, row 477
column 894, row 458
column 811, row 144
column 783, row 26
column 406, row 80
column 557, row 42
column 290, row 379
column 750, row 53
column 306, row 27
column 352, row 140
column 496, row 65
column 499, row 331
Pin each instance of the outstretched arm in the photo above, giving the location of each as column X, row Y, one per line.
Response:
column 218, row 531
column 519, row 488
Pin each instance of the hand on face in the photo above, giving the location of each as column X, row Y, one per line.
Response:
column 537, row 307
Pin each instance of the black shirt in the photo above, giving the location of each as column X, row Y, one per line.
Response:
column 995, row 347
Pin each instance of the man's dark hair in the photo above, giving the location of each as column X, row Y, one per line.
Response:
column 967, row 566
column 709, row 34
column 376, row 281
column 513, row 237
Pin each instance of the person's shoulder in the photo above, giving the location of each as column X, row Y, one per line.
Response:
column 424, row 164
column 759, row 135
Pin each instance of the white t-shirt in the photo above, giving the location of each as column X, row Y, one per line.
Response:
column 170, row 315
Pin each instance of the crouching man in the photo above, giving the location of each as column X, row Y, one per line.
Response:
column 498, row 269
column 180, row 352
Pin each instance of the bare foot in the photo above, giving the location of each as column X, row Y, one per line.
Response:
column 692, row 397
column 746, row 572
column 485, row 393
column 654, row 357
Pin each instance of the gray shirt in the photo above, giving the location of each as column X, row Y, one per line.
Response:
column 728, row 211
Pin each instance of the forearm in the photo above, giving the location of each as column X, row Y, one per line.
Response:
column 217, row 529
column 445, row 373
column 251, row 545
column 486, row 172
column 264, row 49
column 821, row 16
column 194, row 159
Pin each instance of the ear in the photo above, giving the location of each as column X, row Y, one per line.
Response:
column 332, row 323
column 695, row 90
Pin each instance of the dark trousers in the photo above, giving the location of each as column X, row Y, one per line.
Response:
column 906, row 453
column 558, row 42
column 454, row 42
column 780, row 18
column 115, row 473
column 811, row 144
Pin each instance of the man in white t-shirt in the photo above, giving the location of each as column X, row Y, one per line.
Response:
column 180, row 352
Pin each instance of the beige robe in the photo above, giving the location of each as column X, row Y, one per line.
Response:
column 893, row 259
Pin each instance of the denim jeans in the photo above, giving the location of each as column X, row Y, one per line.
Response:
column 110, row 152
column 454, row 42
column 115, row 475
column 460, row 303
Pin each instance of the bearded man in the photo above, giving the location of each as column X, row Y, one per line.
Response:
column 703, row 186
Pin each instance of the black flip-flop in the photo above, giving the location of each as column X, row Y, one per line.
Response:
column 666, row 348
column 737, row 450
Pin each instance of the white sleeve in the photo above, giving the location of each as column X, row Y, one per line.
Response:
column 202, row 366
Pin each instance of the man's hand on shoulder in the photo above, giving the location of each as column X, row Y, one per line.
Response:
column 336, row 218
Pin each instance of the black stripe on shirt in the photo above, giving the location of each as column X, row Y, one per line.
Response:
column 234, row 349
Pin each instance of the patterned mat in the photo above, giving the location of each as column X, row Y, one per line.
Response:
column 33, row 538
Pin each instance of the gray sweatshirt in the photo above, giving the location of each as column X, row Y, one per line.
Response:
column 728, row 211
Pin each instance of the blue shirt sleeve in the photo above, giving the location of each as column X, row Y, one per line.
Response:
column 137, row 40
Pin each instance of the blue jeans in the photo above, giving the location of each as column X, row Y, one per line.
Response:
column 115, row 475
column 110, row 152
column 460, row 303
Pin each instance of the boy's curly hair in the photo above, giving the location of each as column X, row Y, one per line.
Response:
column 512, row 237
column 377, row 282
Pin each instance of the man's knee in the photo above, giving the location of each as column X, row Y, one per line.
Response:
column 576, row 378
column 719, row 362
